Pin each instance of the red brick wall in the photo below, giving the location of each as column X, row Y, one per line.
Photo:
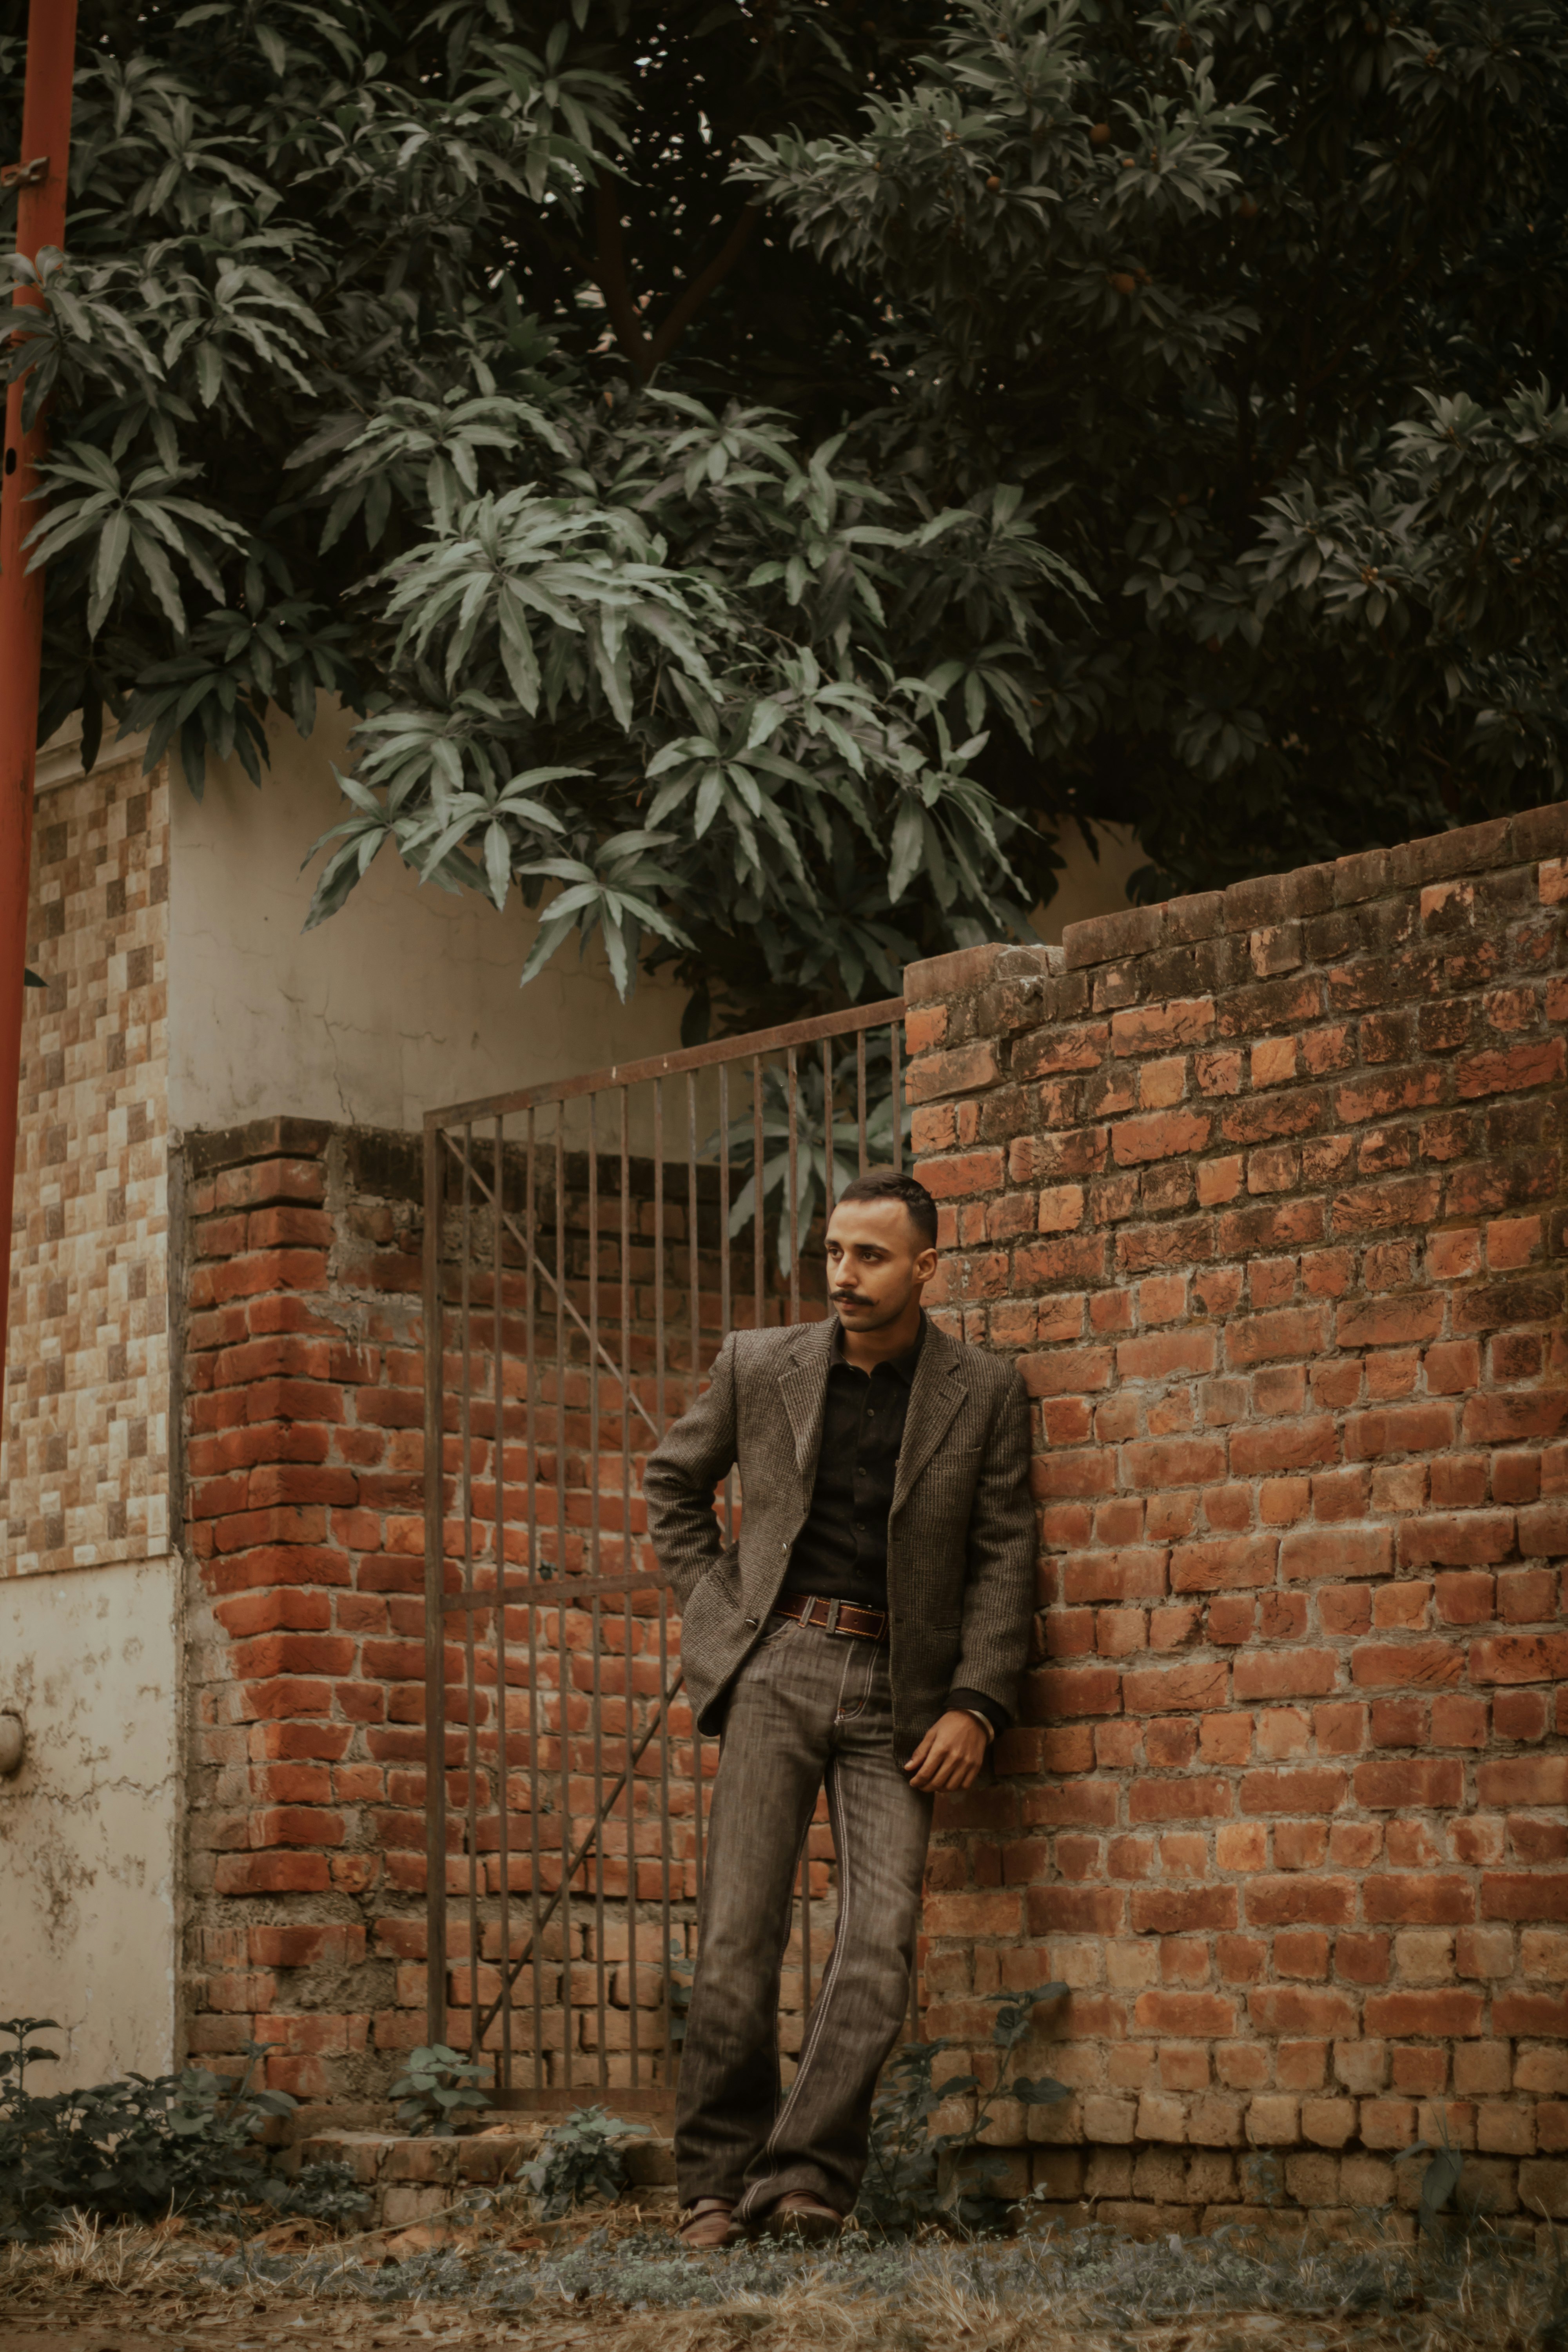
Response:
column 1264, row 1190
column 303, row 1411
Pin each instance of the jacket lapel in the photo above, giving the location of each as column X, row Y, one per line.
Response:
column 803, row 1384
column 937, row 1390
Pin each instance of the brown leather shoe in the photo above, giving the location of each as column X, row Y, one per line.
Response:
column 801, row 2215
column 708, row 2225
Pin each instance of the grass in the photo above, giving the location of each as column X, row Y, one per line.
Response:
column 1463, row 2292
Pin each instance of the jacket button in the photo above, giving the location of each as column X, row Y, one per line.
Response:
column 754, row 1621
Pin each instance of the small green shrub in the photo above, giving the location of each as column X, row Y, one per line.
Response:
column 916, row 2175
column 578, row 2158
column 327, row 2193
column 139, row 2148
column 435, row 2087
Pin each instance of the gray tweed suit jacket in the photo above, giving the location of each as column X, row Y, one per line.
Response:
column 962, row 1540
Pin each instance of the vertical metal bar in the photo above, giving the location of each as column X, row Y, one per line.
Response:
column 531, row 1374
column 627, row 1552
column 725, row 1303
column 466, row 1411
column 497, row 1277
column 898, row 1106
column 596, row 1625
column 560, row 1565
column 594, row 1555
column 694, row 1259
column 562, row 1655
column 668, row 1834
column 792, row 1089
column 435, row 1594
column 829, row 1144
column 658, row 1256
column 43, row 144
column 860, row 1097
column 757, row 1150
column 668, row 1840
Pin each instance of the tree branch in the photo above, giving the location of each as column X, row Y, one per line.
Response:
column 686, row 308
column 610, row 271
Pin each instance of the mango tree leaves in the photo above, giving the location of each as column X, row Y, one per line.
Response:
column 1263, row 308
column 691, row 679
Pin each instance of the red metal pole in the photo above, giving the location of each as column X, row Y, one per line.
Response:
column 40, row 171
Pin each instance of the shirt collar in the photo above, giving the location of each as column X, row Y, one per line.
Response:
column 903, row 1365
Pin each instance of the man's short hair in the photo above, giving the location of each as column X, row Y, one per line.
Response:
column 887, row 1184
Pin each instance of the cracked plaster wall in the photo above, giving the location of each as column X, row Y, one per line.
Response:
column 90, row 1660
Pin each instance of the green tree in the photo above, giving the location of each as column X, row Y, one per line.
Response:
column 761, row 471
column 1265, row 305
column 429, row 360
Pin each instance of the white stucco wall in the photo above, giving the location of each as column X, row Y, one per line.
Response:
column 90, row 1659
column 406, row 999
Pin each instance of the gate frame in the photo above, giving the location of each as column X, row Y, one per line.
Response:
column 887, row 1012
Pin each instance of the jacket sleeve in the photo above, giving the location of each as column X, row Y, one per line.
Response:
column 680, row 1479
column 1004, row 1545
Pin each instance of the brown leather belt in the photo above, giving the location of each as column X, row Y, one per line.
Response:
column 834, row 1616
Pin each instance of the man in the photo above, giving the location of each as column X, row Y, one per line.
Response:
column 867, row 1632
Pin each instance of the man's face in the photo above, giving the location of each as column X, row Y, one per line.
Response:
column 876, row 1262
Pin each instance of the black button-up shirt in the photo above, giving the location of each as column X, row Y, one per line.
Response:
column 841, row 1552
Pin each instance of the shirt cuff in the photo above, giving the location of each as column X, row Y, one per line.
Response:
column 976, row 1703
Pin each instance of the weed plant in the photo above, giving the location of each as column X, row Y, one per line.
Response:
column 437, row 2086
column 145, row 2147
column 915, row 2175
column 579, row 2159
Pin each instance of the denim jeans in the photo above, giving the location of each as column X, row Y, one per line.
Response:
column 808, row 1708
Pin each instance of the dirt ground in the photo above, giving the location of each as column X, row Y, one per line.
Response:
column 117, row 2322
column 146, row 2291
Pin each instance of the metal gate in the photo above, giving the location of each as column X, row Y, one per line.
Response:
column 587, row 1246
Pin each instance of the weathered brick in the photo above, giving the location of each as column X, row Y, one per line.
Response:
column 1339, row 1551
column 1381, row 1666
column 1457, row 1540
column 1289, row 1674
column 960, row 1069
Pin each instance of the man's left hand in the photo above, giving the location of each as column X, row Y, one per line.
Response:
column 950, row 1753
